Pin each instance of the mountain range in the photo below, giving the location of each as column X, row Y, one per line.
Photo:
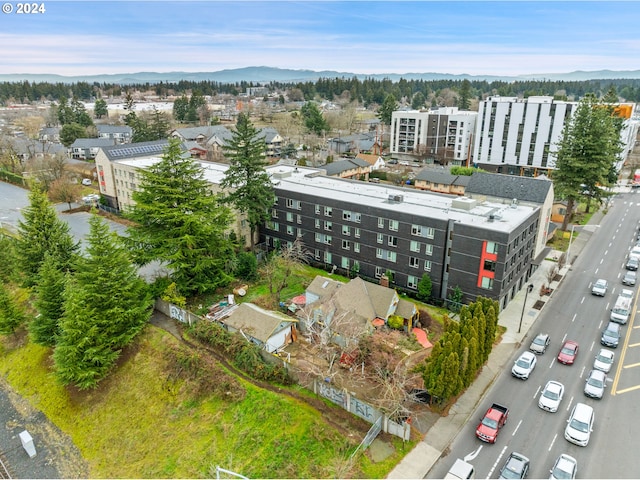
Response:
column 270, row 74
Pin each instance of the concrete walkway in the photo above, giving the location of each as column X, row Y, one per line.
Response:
column 418, row 462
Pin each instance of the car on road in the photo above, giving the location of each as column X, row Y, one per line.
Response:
column 551, row 396
column 524, row 365
column 565, row 468
column 626, row 292
column 580, row 425
column 629, row 278
column 600, row 287
column 604, row 360
column 516, row 466
column 611, row 335
column 540, row 343
column 568, row 352
column 595, row 384
column 632, row 264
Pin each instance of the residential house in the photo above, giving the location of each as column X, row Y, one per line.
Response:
column 50, row 134
column 350, row 310
column 270, row 330
column 354, row 168
column 119, row 133
column 356, row 143
column 558, row 211
column 273, row 141
column 376, row 161
column 87, row 148
column 441, row 181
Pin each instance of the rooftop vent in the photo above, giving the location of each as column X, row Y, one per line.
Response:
column 396, row 198
column 464, row 203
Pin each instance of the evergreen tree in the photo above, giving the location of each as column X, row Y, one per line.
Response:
column 313, row 118
column 100, row 108
column 464, row 101
column 8, row 260
column 70, row 132
column 589, row 146
column 106, row 305
column 180, row 222
column 425, row 286
column 246, row 183
column 180, row 108
column 11, row 315
column 418, row 101
column 42, row 232
column 44, row 327
column 386, row 110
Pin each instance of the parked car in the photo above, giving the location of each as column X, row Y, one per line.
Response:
column 632, row 264
column 516, row 466
column 540, row 343
column 600, row 287
column 524, row 365
column 551, row 396
column 595, row 384
column 566, row 467
column 611, row 335
column 568, row 352
column 580, row 425
column 629, row 278
column 604, row 360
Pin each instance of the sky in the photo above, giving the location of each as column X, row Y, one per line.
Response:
column 477, row 38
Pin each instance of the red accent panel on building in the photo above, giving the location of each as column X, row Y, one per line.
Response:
column 485, row 256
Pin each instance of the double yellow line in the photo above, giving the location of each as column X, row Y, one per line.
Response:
column 614, row 385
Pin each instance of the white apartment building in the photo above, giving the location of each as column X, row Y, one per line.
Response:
column 442, row 136
column 519, row 136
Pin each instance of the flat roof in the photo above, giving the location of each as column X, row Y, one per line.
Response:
column 305, row 180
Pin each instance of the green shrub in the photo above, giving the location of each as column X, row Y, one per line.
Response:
column 396, row 322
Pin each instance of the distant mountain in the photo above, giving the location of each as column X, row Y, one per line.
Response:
column 269, row 74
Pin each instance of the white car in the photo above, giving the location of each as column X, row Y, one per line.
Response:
column 540, row 343
column 595, row 384
column 86, row 182
column 551, row 396
column 524, row 365
column 604, row 360
column 565, row 467
column 600, row 287
column 580, row 425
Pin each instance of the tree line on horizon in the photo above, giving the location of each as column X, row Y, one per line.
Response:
column 366, row 91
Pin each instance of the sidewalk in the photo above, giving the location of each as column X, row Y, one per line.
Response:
column 418, row 462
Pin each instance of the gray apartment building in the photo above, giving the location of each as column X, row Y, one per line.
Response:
column 484, row 247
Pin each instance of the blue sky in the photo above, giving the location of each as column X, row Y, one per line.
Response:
column 478, row 38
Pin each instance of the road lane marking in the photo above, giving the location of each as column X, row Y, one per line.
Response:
column 633, row 345
column 606, row 251
column 552, row 363
column 517, row 427
column 582, row 372
column 630, row 389
column 592, row 345
column 632, row 365
column 600, row 325
column 574, row 317
column 601, row 260
column 497, row 461
column 565, row 335
column 473, row 454
column 582, row 301
column 538, row 390
column 570, row 402
column 552, row 442
column 616, row 378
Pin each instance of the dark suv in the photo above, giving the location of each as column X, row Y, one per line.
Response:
column 611, row 335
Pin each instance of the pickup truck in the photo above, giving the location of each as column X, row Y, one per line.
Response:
column 492, row 422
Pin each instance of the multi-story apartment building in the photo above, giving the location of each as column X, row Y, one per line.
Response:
column 485, row 248
column 519, row 136
column 443, row 135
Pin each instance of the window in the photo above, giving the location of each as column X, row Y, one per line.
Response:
column 356, row 232
column 316, row 254
column 346, row 244
column 290, row 230
column 414, row 246
column 346, row 230
column 380, row 222
column 427, row 265
column 487, row 283
column 380, row 238
column 299, row 218
column 420, row 231
column 379, row 272
column 328, row 211
column 346, row 215
column 428, row 250
column 412, row 282
column 416, row 230
column 392, row 241
column 328, row 226
column 356, row 247
column 414, row 262
column 274, row 213
column 327, row 257
column 273, row 226
column 345, row 263
column 357, row 218
column 317, row 223
column 317, row 209
column 393, row 225
column 492, row 247
column 289, row 203
column 386, row 255
column 289, row 217
column 430, row 232
column 490, row 265
column 299, row 232
column 379, row 252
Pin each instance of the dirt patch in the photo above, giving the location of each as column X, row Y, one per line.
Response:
column 538, row 305
column 557, row 278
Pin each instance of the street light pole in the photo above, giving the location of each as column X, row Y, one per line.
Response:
column 524, row 304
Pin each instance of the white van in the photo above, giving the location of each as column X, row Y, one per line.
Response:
column 621, row 309
column 580, row 425
column 461, row 470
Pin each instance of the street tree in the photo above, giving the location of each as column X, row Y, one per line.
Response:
column 246, row 184
column 100, row 108
column 106, row 305
column 42, row 232
column 179, row 221
column 589, row 147
column 387, row 108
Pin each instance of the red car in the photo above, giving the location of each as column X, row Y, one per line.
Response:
column 568, row 352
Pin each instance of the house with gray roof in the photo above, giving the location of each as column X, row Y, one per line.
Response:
column 359, row 142
column 441, row 181
column 348, row 168
column 119, row 133
column 87, row 148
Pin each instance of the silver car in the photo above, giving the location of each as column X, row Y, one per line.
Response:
column 540, row 343
column 629, row 278
column 565, row 467
column 604, row 360
column 524, row 365
column 595, row 384
column 600, row 287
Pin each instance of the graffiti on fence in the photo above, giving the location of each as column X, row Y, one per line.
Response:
column 336, row 396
